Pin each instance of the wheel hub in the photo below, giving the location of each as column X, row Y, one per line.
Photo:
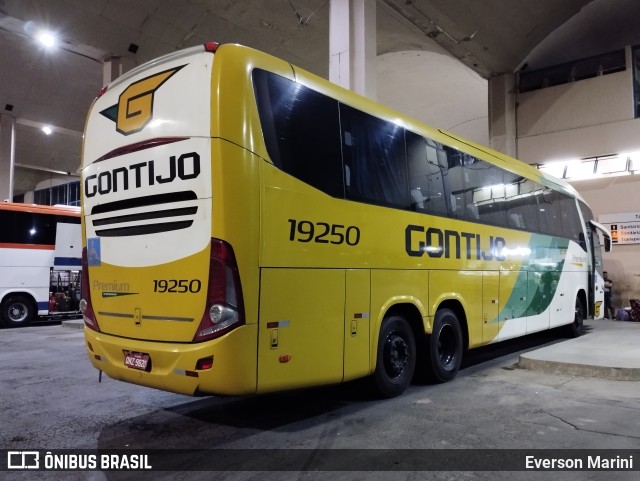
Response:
column 17, row 312
column 446, row 347
column 396, row 355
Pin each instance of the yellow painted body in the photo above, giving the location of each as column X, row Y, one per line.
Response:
column 313, row 310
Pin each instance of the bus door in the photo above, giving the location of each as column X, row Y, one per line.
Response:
column 596, row 265
column 68, row 249
column 301, row 328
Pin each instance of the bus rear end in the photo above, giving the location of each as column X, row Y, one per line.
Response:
column 162, row 300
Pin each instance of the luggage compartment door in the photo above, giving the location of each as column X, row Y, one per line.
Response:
column 301, row 328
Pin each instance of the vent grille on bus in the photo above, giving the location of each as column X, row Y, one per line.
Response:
column 120, row 221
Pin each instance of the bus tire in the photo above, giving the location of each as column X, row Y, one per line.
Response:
column 396, row 357
column 17, row 310
column 445, row 346
column 575, row 329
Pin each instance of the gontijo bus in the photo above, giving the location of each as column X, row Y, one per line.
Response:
column 250, row 227
column 40, row 257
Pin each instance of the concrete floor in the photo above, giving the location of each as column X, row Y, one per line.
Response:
column 50, row 399
column 607, row 350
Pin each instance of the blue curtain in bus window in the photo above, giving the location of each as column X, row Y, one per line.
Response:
column 374, row 158
column 301, row 131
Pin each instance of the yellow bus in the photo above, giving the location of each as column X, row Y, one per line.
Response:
column 249, row 227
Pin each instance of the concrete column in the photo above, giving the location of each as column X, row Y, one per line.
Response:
column 352, row 45
column 503, row 126
column 7, row 156
column 114, row 67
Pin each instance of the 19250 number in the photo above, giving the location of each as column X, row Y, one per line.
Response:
column 323, row 233
column 177, row 285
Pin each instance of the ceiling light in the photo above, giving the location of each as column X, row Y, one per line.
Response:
column 47, row 39
column 47, row 130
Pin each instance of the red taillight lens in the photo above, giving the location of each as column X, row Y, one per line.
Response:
column 103, row 91
column 204, row 363
column 224, row 310
column 85, row 302
column 211, row 47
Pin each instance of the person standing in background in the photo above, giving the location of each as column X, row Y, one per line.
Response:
column 608, row 292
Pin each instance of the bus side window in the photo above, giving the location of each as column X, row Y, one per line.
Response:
column 301, row 131
column 375, row 153
column 571, row 225
column 489, row 192
column 455, row 175
column 463, row 182
column 549, row 212
column 426, row 174
column 26, row 228
column 521, row 204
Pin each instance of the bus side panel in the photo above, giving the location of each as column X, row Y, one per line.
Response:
column 301, row 330
column 235, row 116
column 392, row 287
column 513, row 304
column 357, row 318
column 462, row 287
column 490, row 309
column 68, row 250
column 27, row 271
column 236, row 214
column 563, row 304
column 537, row 297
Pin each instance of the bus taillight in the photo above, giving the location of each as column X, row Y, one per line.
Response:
column 224, row 310
column 85, row 302
column 211, row 47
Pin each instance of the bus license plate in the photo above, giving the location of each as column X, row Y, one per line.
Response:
column 136, row 360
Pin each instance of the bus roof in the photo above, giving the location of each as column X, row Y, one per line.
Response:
column 42, row 209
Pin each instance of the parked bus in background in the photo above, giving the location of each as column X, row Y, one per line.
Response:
column 250, row 227
column 40, row 262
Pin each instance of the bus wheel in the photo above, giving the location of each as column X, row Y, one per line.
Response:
column 396, row 359
column 17, row 311
column 575, row 328
column 445, row 346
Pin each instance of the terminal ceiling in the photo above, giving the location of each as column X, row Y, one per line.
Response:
column 56, row 87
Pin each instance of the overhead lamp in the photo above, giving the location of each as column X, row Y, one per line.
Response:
column 47, row 39
column 47, row 130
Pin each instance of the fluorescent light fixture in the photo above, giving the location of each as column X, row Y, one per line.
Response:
column 47, row 39
column 47, row 130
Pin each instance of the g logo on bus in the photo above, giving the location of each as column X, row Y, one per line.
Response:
column 134, row 109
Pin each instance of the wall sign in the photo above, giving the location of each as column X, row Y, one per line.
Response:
column 625, row 228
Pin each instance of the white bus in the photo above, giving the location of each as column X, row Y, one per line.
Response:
column 40, row 262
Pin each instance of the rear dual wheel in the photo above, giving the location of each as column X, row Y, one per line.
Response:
column 445, row 346
column 396, row 358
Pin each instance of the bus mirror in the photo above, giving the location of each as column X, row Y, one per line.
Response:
column 607, row 244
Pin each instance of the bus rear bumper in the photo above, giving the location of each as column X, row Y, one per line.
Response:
column 172, row 366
